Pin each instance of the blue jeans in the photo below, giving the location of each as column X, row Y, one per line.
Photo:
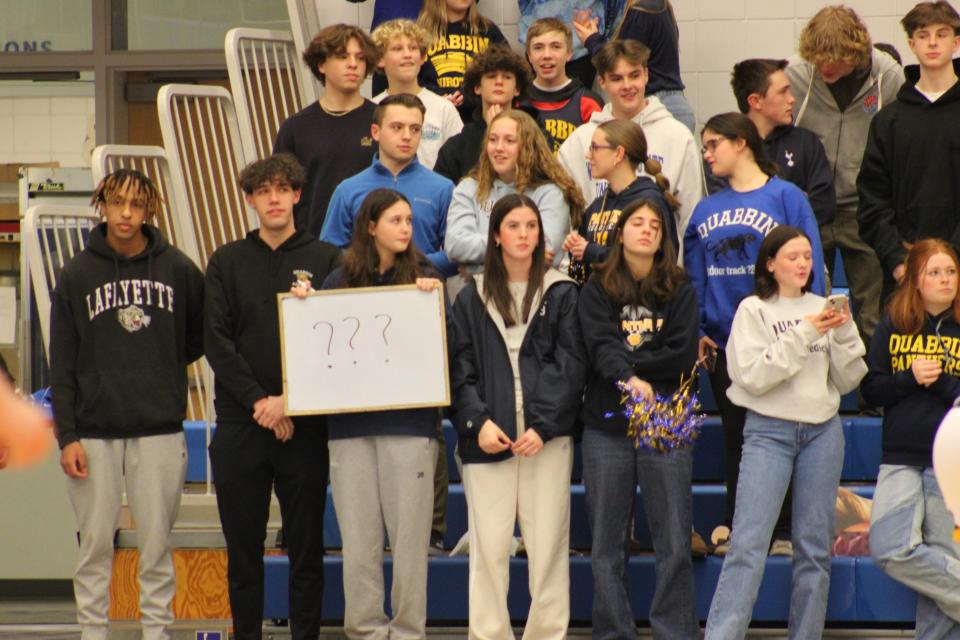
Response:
column 612, row 467
column 911, row 539
column 773, row 451
column 676, row 103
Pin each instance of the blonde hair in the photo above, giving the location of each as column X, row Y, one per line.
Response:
column 390, row 30
column 433, row 19
column 836, row 34
column 536, row 164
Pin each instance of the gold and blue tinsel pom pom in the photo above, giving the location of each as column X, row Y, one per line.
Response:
column 666, row 423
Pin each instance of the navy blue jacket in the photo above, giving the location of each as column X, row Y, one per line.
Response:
column 553, row 370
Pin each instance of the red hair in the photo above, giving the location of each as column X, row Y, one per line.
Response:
column 906, row 306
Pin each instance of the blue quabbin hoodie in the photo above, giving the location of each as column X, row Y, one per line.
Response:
column 722, row 241
column 429, row 195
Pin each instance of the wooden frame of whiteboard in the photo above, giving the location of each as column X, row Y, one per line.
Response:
column 402, row 287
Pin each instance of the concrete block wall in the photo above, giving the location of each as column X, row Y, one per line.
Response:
column 39, row 128
column 714, row 34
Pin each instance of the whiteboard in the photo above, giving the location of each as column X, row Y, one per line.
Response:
column 363, row 349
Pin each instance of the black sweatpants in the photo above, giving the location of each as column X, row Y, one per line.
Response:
column 247, row 462
column 733, row 418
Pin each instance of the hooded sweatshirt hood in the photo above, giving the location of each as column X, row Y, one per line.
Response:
column 908, row 181
column 123, row 331
column 843, row 133
column 668, row 141
column 600, row 219
column 909, row 93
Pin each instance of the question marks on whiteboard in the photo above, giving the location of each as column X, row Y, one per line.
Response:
column 354, row 334
column 386, row 321
column 385, row 327
column 329, row 340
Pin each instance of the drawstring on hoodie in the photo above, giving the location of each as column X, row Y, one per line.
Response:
column 806, row 97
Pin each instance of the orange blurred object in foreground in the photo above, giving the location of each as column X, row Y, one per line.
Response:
column 26, row 433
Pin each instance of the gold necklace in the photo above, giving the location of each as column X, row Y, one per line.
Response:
column 336, row 114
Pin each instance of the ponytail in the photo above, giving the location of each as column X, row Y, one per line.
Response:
column 655, row 170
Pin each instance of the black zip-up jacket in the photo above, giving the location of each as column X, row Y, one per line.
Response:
column 123, row 331
column 553, row 369
column 912, row 412
column 909, row 181
column 800, row 159
column 397, row 422
column 242, row 324
column 658, row 345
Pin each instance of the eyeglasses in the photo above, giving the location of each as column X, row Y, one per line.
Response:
column 594, row 147
column 711, row 145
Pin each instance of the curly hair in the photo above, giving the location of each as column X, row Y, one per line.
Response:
column 122, row 180
column 836, row 34
column 536, row 164
column 281, row 168
column 387, row 31
column 496, row 58
column 332, row 40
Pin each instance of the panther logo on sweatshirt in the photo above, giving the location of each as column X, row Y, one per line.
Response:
column 132, row 318
column 638, row 325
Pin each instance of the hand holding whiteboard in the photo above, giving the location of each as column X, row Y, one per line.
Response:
column 363, row 349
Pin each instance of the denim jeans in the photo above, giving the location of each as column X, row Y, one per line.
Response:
column 773, row 451
column 911, row 539
column 612, row 467
column 676, row 103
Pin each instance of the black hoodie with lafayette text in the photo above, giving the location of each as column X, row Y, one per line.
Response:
column 123, row 331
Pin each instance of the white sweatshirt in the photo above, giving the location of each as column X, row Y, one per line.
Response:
column 780, row 366
column 668, row 141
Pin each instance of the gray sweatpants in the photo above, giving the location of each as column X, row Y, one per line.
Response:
column 384, row 481
column 152, row 470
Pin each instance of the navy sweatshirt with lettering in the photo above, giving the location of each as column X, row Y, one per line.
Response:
column 723, row 238
column 123, row 331
column 912, row 412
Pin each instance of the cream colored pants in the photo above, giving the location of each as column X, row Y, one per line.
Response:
column 535, row 491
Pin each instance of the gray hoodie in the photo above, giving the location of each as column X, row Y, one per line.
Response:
column 844, row 134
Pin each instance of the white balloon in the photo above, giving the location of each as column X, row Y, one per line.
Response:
column 946, row 461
